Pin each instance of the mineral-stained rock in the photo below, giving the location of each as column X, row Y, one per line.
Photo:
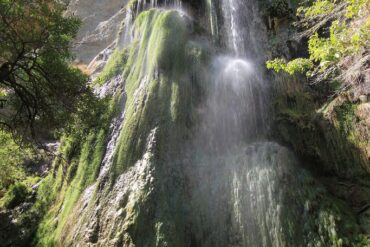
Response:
column 101, row 21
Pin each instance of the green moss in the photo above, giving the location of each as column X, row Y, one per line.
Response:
column 114, row 66
column 163, row 73
column 353, row 130
column 75, row 170
column 131, row 4
column 346, row 118
column 77, row 163
column 154, row 70
column 159, row 68
column 324, row 220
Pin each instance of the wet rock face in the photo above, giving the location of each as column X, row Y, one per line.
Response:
column 100, row 24
column 109, row 217
column 260, row 196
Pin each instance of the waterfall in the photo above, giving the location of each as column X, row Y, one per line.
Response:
column 213, row 19
column 237, row 101
column 236, row 108
column 243, row 184
column 230, row 9
column 187, row 160
column 125, row 38
column 234, row 168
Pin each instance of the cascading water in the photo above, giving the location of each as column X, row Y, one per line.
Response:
column 238, row 99
column 231, row 12
column 232, row 176
column 247, row 191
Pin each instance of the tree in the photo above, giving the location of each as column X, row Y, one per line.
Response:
column 38, row 86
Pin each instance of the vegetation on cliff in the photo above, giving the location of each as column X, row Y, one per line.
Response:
column 335, row 30
column 336, row 68
column 42, row 97
column 154, row 95
column 322, row 107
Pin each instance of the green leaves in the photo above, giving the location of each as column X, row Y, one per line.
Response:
column 16, row 194
column 299, row 65
column 318, row 8
column 345, row 38
column 356, row 8
column 11, row 156
column 43, row 89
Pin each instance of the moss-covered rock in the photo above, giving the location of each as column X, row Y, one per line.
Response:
column 159, row 72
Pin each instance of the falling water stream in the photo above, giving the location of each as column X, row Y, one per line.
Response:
column 241, row 181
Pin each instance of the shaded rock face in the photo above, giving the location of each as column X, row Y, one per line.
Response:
column 15, row 229
column 328, row 130
column 101, row 22
column 322, row 123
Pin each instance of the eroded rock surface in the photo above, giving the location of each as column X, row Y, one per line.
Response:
column 101, row 21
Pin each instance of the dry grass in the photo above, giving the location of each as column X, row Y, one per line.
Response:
column 83, row 68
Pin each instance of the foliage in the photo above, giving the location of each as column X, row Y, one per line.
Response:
column 298, row 65
column 16, row 194
column 348, row 35
column 81, row 153
column 37, row 83
column 318, row 8
column 15, row 180
column 11, row 158
column 91, row 113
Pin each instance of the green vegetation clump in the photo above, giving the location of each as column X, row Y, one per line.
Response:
column 15, row 195
column 300, row 65
column 11, row 157
column 346, row 37
column 13, row 170
column 158, row 49
column 75, row 168
column 114, row 66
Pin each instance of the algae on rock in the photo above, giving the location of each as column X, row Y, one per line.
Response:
column 159, row 71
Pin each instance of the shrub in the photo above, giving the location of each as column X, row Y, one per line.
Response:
column 16, row 194
column 348, row 35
